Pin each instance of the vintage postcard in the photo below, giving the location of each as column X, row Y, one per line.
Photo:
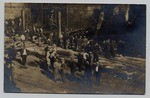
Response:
column 62, row 48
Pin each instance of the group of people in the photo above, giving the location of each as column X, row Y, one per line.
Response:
column 110, row 48
column 54, row 62
column 89, row 51
column 84, row 61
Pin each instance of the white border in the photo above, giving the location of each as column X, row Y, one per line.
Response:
column 18, row 95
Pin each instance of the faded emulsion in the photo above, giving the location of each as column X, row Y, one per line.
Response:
column 75, row 48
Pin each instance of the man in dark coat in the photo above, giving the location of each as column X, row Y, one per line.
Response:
column 46, row 49
column 72, row 67
column 113, row 48
column 121, row 47
column 24, row 56
column 97, row 72
column 52, row 60
column 62, row 68
column 76, row 43
column 80, row 58
column 107, row 48
column 88, row 73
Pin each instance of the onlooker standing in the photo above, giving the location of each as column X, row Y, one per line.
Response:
column 88, row 73
column 84, row 42
column 80, row 58
column 97, row 72
column 121, row 47
column 62, row 67
column 72, row 67
column 23, row 38
column 57, row 66
column 91, row 58
column 107, row 48
column 53, row 57
column 24, row 56
column 85, row 56
column 46, row 50
column 113, row 48
column 95, row 56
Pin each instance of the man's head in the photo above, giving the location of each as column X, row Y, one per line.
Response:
column 116, row 11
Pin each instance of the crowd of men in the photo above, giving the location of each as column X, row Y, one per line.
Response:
column 87, row 58
column 89, row 50
column 85, row 62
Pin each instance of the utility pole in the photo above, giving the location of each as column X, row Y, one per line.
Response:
column 23, row 19
column 42, row 13
column 101, row 18
column 67, row 15
column 59, row 24
column 59, row 28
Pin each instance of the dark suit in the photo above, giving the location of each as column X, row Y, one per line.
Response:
column 97, row 73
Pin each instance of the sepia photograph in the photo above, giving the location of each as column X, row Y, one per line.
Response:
column 75, row 48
